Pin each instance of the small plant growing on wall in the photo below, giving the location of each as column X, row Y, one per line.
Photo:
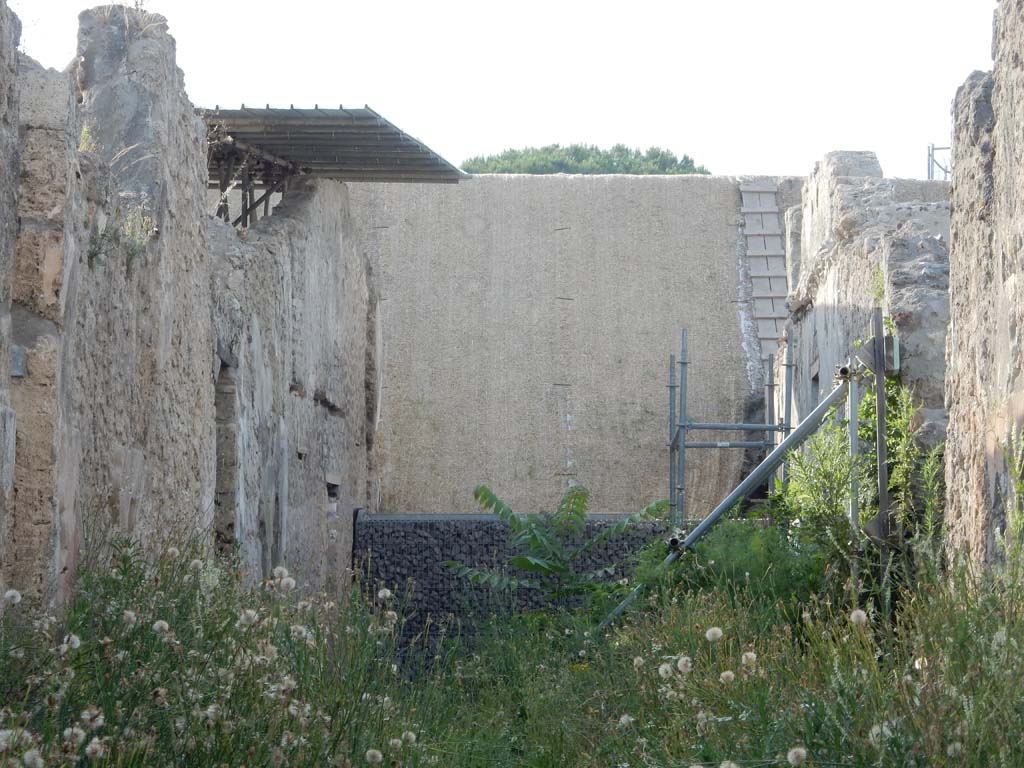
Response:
column 132, row 234
column 548, row 547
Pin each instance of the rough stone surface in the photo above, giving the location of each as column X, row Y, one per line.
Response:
column 10, row 31
column 527, row 323
column 291, row 303
column 406, row 554
column 985, row 350
column 866, row 242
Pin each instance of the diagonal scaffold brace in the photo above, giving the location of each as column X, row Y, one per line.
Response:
column 758, row 476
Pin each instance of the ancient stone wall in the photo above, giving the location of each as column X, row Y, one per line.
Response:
column 10, row 30
column 291, row 302
column 857, row 242
column 527, row 323
column 985, row 354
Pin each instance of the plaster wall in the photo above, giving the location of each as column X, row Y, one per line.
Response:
column 527, row 323
column 985, row 349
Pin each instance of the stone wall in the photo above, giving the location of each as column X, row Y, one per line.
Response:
column 174, row 380
column 527, row 323
column 10, row 31
column 291, row 304
column 857, row 242
column 985, row 354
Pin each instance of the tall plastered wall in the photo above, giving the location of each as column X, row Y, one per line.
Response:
column 9, row 34
column 527, row 323
column 985, row 352
column 291, row 302
column 857, row 242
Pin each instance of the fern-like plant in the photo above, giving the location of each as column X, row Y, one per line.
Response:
column 547, row 548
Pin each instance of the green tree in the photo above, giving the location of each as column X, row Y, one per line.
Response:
column 584, row 158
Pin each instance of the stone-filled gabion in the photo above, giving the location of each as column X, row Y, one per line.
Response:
column 407, row 554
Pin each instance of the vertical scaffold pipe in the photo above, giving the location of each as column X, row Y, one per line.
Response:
column 681, row 446
column 761, row 473
column 672, row 435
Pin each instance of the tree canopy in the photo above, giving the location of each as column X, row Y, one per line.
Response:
column 583, row 158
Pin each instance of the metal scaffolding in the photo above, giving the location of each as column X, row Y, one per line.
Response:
column 680, row 427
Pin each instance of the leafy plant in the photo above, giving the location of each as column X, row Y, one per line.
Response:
column 547, row 548
column 584, row 158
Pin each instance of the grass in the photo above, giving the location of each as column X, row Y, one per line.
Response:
column 301, row 681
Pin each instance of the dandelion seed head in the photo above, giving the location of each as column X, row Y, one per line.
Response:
column 33, row 759
column 287, row 584
column 12, row 596
column 172, row 553
column 713, row 635
column 161, row 627
column 384, row 594
column 727, row 677
column 638, row 662
column 395, row 743
column 374, row 756
column 247, row 617
column 73, row 641
column 280, row 572
column 74, row 735
column 626, row 720
column 129, row 618
column 796, row 756
column 665, row 671
column 684, row 665
column 92, row 717
column 195, row 566
column 749, row 659
column 409, row 737
column 858, row 618
column 95, row 750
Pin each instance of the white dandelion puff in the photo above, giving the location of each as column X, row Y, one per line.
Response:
column 129, row 618
column 858, row 618
column 727, row 677
column 626, row 720
column 684, row 665
column 12, row 596
column 796, row 756
column 32, row 759
column 95, row 750
column 665, row 671
column 92, row 717
column 749, row 659
column 384, row 594
column 409, row 737
column 172, row 553
column 161, row 627
column 374, row 756
column 395, row 743
column 247, row 617
column 713, row 635
column 280, row 572
column 287, row 584
column 74, row 735
column 638, row 661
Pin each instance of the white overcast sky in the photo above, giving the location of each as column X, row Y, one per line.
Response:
column 742, row 86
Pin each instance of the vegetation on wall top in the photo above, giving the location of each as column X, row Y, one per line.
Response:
column 584, row 158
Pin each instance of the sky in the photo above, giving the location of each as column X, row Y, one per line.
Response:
column 743, row 87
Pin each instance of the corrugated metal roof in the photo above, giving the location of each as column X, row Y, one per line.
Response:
column 342, row 144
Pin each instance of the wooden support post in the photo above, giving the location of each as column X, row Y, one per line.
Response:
column 884, row 513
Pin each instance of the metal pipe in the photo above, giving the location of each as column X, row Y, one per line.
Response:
column 853, row 422
column 749, row 483
column 693, row 425
column 787, row 416
column 681, row 449
column 729, row 444
column 769, row 393
column 673, row 431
